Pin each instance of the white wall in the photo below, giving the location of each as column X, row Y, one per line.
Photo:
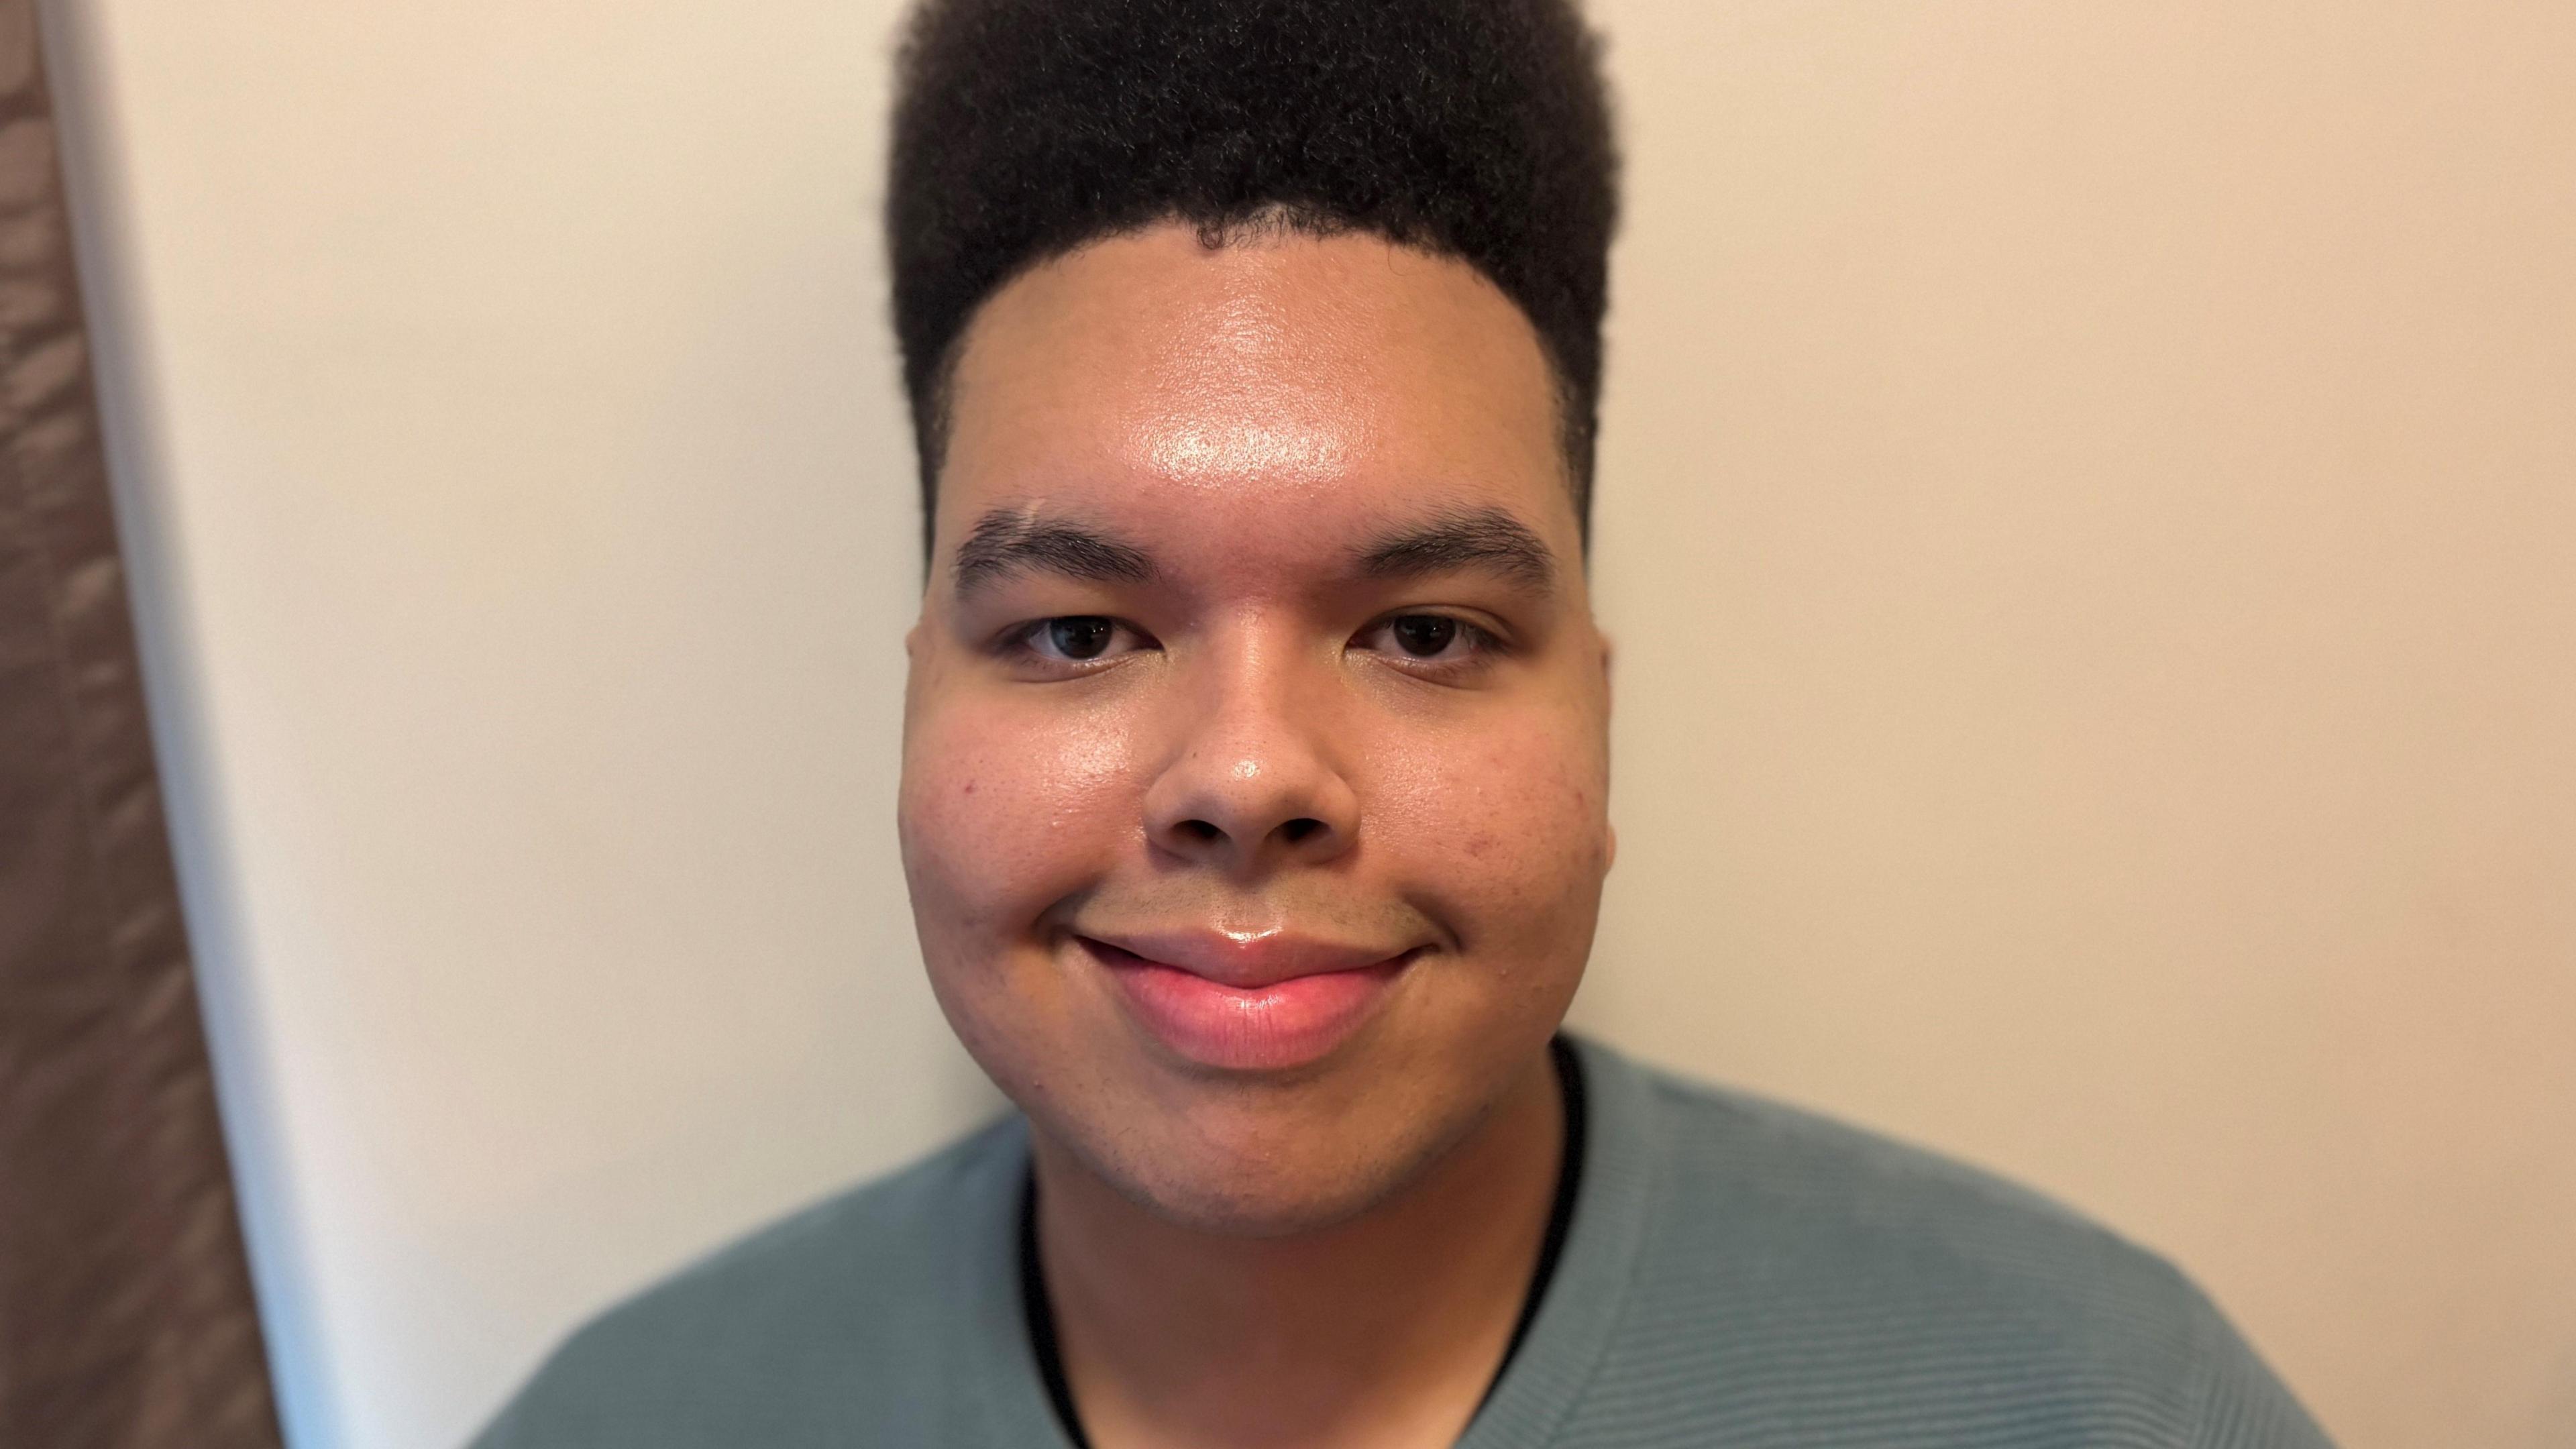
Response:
column 505, row 388
column 2087, row 512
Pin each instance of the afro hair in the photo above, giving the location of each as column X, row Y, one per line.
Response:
column 1475, row 129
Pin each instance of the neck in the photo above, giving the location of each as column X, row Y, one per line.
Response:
column 1383, row 1330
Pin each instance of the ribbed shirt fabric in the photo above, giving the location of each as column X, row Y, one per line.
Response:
column 1736, row 1274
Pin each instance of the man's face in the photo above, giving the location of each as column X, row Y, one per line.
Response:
column 1255, row 748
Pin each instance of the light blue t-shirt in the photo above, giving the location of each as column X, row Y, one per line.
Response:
column 1735, row 1274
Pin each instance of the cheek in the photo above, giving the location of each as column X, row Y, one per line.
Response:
column 1001, row 815
column 1507, row 826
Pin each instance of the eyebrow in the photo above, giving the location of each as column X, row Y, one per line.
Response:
column 1007, row 541
column 1483, row 538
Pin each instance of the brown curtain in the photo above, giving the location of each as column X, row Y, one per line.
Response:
column 125, row 1306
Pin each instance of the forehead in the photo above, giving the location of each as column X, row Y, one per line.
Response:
column 1327, row 382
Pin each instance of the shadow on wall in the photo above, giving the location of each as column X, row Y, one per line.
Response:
column 187, row 783
column 2557, row 1423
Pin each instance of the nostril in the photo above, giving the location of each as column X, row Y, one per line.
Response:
column 1300, row 829
column 1201, row 831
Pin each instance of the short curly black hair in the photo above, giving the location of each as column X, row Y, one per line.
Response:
column 1477, row 129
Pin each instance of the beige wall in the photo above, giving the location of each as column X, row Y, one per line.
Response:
column 2089, row 513
column 2091, row 523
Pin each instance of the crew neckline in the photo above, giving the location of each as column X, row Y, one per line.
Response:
column 1568, row 1322
column 1038, row 1309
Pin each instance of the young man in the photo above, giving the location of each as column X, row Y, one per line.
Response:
column 1253, row 808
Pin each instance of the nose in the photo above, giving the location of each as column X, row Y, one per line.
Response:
column 1252, row 784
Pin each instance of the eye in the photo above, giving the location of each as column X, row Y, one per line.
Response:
column 1075, row 639
column 1423, row 635
column 1429, row 639
column 1076, row 636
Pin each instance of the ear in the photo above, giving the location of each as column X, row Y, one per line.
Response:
column 1609, row 651
column 1609, row 830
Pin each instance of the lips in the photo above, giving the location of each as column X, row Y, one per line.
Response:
column 1265, row 1003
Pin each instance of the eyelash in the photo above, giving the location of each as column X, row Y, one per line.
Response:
column 1482, row 644
column 1020, row 641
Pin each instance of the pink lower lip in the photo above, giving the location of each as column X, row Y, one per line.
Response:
column 1269, row 1028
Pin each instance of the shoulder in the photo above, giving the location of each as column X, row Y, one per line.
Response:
column 1793, row 1176
column 1868, row 1278
column 774, row 1338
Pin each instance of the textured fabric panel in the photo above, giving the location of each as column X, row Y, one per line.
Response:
column 1818, row 1287
column 1737, row 1274
column 126, row 1318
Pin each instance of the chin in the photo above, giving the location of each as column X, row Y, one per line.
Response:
column 1261, row 1169
column 1239, row 1203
